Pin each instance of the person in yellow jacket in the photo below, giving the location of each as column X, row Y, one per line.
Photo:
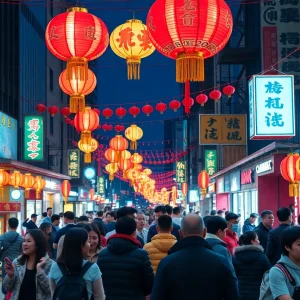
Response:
column 162, row 242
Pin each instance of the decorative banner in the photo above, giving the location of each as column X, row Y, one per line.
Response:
column 180, row 171
column 74, row 163
column 33, row 138
column 8, row 137
column 271, row 107
column 10, row 207
column 280, row 37
column 101, row 185
column 232, row 154
column 222, row 130
column 211, row 162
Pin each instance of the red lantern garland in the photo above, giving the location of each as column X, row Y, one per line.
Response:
column 215, row 95
column 53, row 110
column 107, row 113
column 41, row 108
column 175, row 105
column 147, row 109
column 121, row 112
column 134, row 111
column 65, row 111
column 201, row 99
column 228, row 90
column 97, row 111
column 161, row 107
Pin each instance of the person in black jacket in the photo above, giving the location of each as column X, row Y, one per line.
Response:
column 264, row 227
column 192, row 270
column 274, row 250
column 30, row 224
column 250, row 264
column 127, row 272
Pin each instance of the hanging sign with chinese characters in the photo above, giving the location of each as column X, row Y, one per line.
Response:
column 211, row 162
column 180, row 171
column 33, row 138
column 10, row 207
column 271, row 107
column 74, row 163
column 222, row 130
column 101, row 186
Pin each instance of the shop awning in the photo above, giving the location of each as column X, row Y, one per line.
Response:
column 16, row 165
column 274, row 147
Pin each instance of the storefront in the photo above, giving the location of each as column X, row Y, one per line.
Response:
column 51, row 195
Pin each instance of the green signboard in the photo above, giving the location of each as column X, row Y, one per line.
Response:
column 180, row 171
column 101, row 185
column 211, row 162
column 33, row 138
column 74, row 163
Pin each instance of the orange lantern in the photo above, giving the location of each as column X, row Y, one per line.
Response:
column 28, row 183
column 4, row 180
column 119, row 144
column 174, row 194
column 111, row 155
column 290, row 171
column 125, row 165
column 16, row 179
column 125, row 154
column 133, row 133
column 203, row 181
column 184, row 189
column 39, row 185
column 136, row 159
column 132, row 175
column 88, row 148
column 111, row 168
column 65, row 190
column 148, row 172
column 92, row 194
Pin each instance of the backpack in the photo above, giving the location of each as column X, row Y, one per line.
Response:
column 72, row 286
column 265, row 291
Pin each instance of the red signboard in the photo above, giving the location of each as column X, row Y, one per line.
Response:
column 247, row 177
column 10, row 207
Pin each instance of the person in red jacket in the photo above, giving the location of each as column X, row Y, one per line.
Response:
column 231, row 238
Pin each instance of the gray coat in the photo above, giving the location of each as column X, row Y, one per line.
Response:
column 11, row 241
column 42, row 281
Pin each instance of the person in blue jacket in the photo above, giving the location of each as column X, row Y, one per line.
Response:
column 249, row 223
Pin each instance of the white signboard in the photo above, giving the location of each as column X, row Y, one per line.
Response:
column 271, row 107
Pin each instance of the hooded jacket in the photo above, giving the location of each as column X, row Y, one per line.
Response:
column 193, row 269
column 158, row 248
column 279, row 284
column 248, row 226
column 263, row 233
column 126, row 269
column 11, row 241
column 250, row 264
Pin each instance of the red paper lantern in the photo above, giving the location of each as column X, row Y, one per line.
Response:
column 118, row 128
column 111, row 155
column 121, row 112
column 65, row 189
column 107, row 113
column 53, row 110
column 147, row 109
column 184, row 189
column 68, row 120
column 189, row 31
column 175, row 104
column 41, row 108
column 290, row 171
column 125, row 165
column 122, row 128
column 76, row 37
column 134, row 111
column 228, row 90
column 203, row 181
column 65, row 111
column 202, row 99
column 72, row 123
column 187, row 103
column 215, row 95
column 161, row 107
column 92, row 194
column 105, row 127
column 97, row 111
column 118, row 143
column 109, row 127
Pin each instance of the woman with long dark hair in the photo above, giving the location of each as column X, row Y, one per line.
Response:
column 95, row 243
column 26, row 277
column 46, row 228
column 75, row 248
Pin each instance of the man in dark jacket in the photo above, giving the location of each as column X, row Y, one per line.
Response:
column 192, row 268
column 264, row 227
column 126, row 269
column 274, row 249
column 98, row 219
column 249, row 224
column 30, row 224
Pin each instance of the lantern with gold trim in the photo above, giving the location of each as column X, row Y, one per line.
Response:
column 65, row 190
column 133, row 133
column 125, row 165
column 136, row 159
column 184, row 189
column 88, row 148
column 203, row 181
column 4, row 180
column 119, row 144
column 125, row 154
column 111, row 155
column 28, row 183
column 112, row 168
column 39, row 185
column 16, row 179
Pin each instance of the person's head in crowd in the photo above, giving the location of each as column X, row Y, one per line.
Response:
column 198, row 213
column 99, row 214
column 69, row 217
column 267, row 218
column 176, row 212
column 192, row 225
column 220, row 213
column 107, row 208
column 83, row 219
column 284, row 215
column 217, row 226
column 49, row 212
column 140, row 220
column 227, row 212
column 213, row 212
column 100, row 228
column 55, row 220
column 249, row 238
column 110, row 217
column 292, row 207
column 75, row 248
column 232, row 220
column 169, row 210
column 13, row 224
column 34, row 218
column 253, row 218
column 126, row 225
column 95, row 238
column 290, row 243
column 164, row 224
column 126, row 212
column 44, row 215
column 46, row 228
column 159, row 210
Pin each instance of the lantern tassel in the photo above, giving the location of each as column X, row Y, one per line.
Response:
column 27, row 193
column 87, row 158
column 66, row 200
column 189, row 66
column 111, row 176
column 133, row 145
column 1, row 192
column 125, row 175
column 86, row 137
column 77, row 103
column 294, row 189
column 37, row 194
column 77, row 68
column 133, row 68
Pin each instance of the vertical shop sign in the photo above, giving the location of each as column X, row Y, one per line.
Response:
column 101, row 186
column 211, row 162
column 33, row 138
column 74, row 163
column 180, row 171
column 272, row 107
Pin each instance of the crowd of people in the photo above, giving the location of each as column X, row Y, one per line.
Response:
column 168, row 255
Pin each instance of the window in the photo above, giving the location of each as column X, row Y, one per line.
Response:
column 51, row 79
column 51, row 125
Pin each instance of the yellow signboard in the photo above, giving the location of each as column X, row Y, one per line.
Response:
column 223, row 130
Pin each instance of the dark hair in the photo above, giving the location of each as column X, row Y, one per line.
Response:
column 160, row 208
column 253, row 215
column 125, row 225
column 69, row 215
column 265, row 213
column 41, row 246
column 227, row 212
column 215, row 223
column 176, row 210
column 87, row 227
column 220, row 211
column 48, row 208
column 125, row 212
column 55, row 218
column 107, row 208
column 99, row 213
column 83, row 219
column 71, row 255
column 247, row 238
column 288, row 237
column 112, row 214
column 169, row 209
column 231, row 216
column 164, row 222
column 96, row 229
column 13, row 223
column 44, row 226
column 213, row 212
column 61, row 215
column 283, row 214
column 44, row 214
column 100, row 227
